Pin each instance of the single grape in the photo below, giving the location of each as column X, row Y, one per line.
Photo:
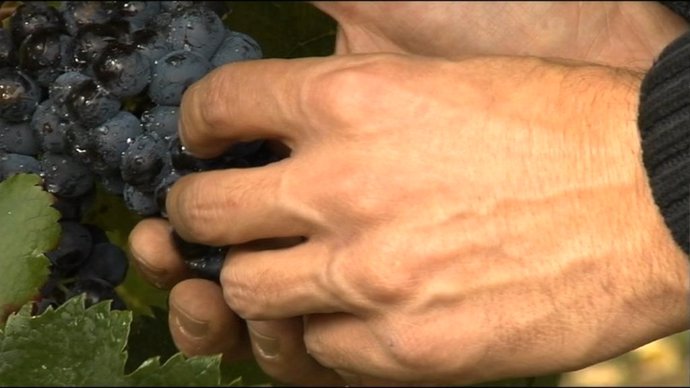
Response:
column 137, row 13
column 197, row 29
column 141, row 203
column 11, row 164
column 111, row 139
column 61, row 88
column 19, row 95
column 236, row 46
column 65, row 176
column 49, row 127
column 205, row 261
column 145, row 162
column 92, row 39
column 18, row 138
column 151, row 43
column 122, row 70
column 161, row 119
column 78, row 14
column 106, row 262
column 95, row 291
column 173, row 73
column 32, row 17
column 90, row 104
column 45, row 54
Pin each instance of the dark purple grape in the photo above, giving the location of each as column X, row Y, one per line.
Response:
column 106, row 262
column 139, row 202
column 173, row 73
column 161, row 119
column 92, row 39
column 236, row 47
column 196, row 29
column 65, row 176
column 32, row 17
column 136, row 13
column 77, row 14
column 122, row 70
column 19, row 95
column 90, row 104
column 45, row 55
column 62, row 87
column 72, row 249
column 95, row 291
column 11, row 164
column 49, row 127
column 18, row 138
column 145, row 162
column 111, row 139
column 205, row 261
column 150, row 43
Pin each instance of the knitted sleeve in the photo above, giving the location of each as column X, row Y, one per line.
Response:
column 664, row 123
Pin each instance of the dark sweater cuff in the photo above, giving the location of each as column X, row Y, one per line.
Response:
column 664, row 123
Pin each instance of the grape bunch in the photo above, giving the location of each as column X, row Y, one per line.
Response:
column 89, row 98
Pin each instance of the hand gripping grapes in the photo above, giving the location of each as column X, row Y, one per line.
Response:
column 454, row 233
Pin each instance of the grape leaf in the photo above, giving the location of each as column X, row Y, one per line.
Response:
column 284, row 29
column 111, row 214
column 28, row 228
column 77, row 346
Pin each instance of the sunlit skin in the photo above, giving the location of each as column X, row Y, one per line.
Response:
column 455, row 233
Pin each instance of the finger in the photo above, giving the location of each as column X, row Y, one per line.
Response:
column 279, row 350
column 155, row 256
column 276, row 284
column 202, row 324
column 229, row 207
column 268, row 98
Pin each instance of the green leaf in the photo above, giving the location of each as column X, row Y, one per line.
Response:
column 110, row 213
column 178, row 371
column 67, row 346
column 28, row 228
column 77, row 346
column 288, row 29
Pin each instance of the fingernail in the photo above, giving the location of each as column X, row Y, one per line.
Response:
column 267, row 346
column 189, row 326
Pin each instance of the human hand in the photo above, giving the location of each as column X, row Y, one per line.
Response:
column 621, row 34
column 456, row 231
